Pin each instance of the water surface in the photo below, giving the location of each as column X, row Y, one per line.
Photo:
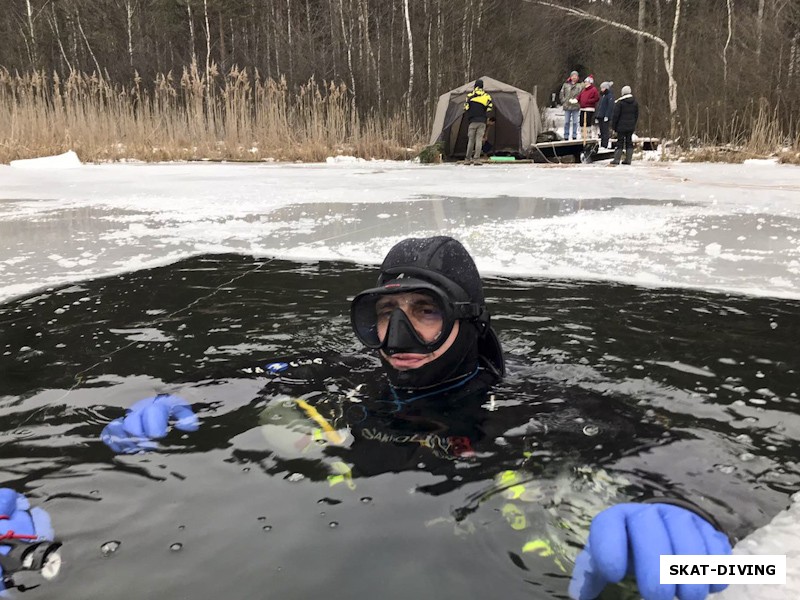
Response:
column 614, row 393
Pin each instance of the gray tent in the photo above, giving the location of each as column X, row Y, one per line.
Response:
column 518, row 119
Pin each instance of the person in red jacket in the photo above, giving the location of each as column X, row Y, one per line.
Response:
column 587, row 100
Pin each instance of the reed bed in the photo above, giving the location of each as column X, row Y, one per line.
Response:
column 233, row 116
column 756, row 131
column 241, row 116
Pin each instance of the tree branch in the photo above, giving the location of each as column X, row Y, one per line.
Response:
column 582, row 14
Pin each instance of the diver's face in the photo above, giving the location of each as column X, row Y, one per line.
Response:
column 425, row 316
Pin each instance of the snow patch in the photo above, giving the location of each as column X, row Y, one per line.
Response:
column 68, row 160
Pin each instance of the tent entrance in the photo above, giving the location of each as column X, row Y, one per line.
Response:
column 504, row 137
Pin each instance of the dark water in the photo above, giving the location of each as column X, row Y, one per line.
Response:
column 614, row 393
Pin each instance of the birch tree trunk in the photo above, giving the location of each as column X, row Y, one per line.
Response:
column 429, row 54
column 410, row 59
column 465, row 41
column 129, row 30
column 289, row 37
column 88, row 46
column 669, row 65
column 191, row 30
column 440, row 44
column 640, row 46
column 348, row 44
column 34, row 55
column 208, row 50
column 54, row 27
column 729, row 4
column 760, row 28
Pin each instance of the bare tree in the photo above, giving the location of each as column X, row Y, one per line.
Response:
column 410, row 57
column 208, row 46
column 53, row 19
column 640, row 45
column 33, row 52
column 88, row 46
column 191, row 29
column 727, row 41
column 348, row 43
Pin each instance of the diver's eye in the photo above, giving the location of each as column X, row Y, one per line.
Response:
column 427, row 312
column 384, row 310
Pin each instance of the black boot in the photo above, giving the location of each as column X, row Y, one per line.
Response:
column 617, row 154
column 628, row 155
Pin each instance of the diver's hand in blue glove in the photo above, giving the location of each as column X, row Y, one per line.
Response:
column 148, row 420
column 19, row 521
column 630, row 538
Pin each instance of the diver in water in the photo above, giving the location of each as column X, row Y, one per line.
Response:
column 427, row 321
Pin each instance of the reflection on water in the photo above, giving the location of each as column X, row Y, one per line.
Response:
column 613, row 393
column 342, row 221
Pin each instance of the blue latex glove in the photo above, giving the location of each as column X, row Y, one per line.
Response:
column 26, row 523
column 629, row 539
column 148, row 420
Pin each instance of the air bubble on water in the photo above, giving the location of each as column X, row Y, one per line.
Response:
column 109, row 548
column 772, row 448
column 760, row 375
column 743, row 438
column 746, row 456
column 266, row 528
column 295, row 477
column 262, row 518
column 333, row 524
column 591, row 430
column 757, row 401
column 181, row 527
column 176, row 547
column 421, row 465
column 727, row 469
column 773, row 325
column 366, row 500
column 246, row 469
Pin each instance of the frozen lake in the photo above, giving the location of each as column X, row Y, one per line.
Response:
column 717, row 227
column 722, row 228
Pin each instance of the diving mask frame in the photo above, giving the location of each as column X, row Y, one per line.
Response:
column 453, row 301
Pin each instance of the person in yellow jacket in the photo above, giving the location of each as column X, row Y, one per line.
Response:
column 477, row 107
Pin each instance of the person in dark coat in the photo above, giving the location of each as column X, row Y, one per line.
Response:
column 626, row 114
column 605, row 110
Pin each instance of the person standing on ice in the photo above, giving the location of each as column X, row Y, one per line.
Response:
column 477, row 108
column 569, row 100
column 605, row 110
column 626, row 115
column 587, row 100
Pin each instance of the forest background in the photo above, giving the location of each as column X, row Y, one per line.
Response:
column 305, row 79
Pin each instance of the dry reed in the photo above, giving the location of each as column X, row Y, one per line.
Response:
column 235, row 116
column 754, row 132
column 241, row 116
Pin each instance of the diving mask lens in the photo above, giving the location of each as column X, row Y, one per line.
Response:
column 428, row 313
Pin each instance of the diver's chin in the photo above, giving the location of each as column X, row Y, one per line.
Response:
column 407, row 361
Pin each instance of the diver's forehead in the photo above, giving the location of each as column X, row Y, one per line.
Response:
column 404, row 298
